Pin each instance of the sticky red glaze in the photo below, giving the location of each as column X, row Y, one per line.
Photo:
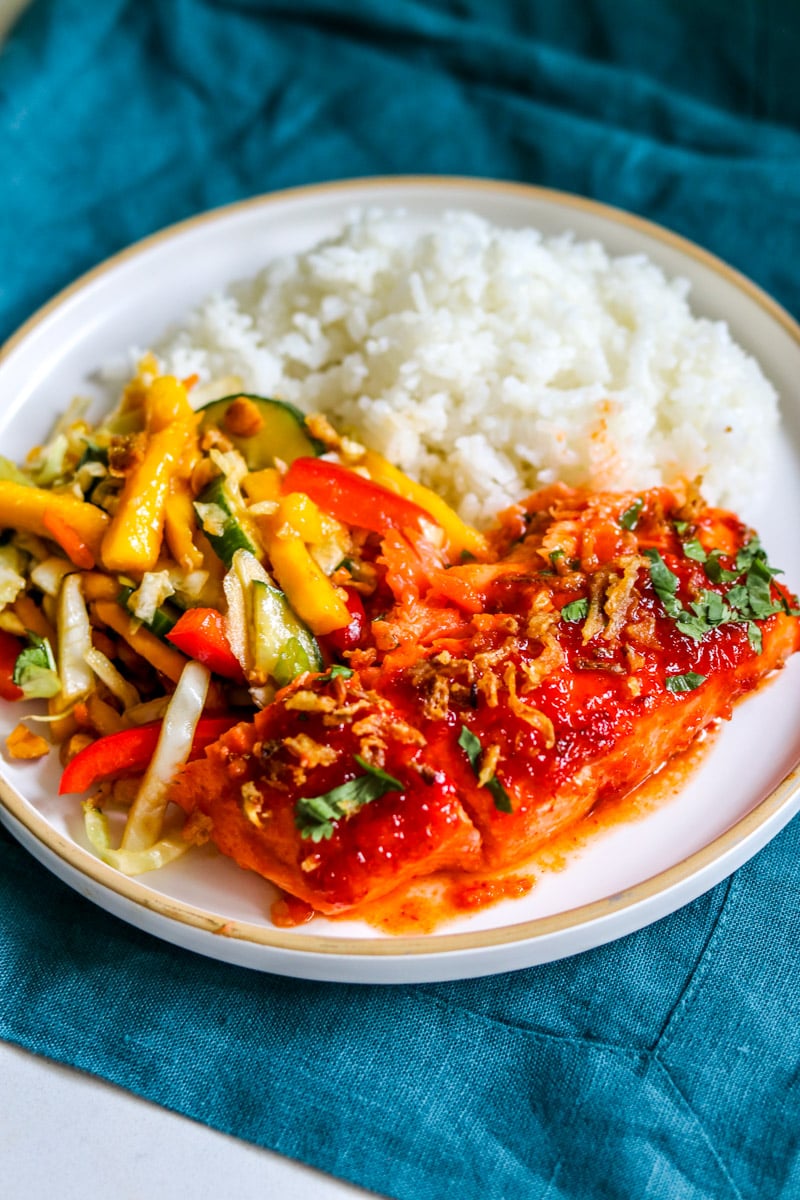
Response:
column 590, row 727
column 420, row 828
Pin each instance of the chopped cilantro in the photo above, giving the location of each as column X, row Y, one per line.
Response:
column 576, row 610
column 681, row 527
column 716, row 572
column 337, row 671
column 665, row 583
column 747, row 601
column 693, row 626
column 317, row 816
column 555, row 555
column 35, row 670
column 630, row 518
column 693, row 549
column 754, row 636
column 684, row 683
column 471, row 745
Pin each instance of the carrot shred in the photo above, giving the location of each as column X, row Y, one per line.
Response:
column 68, row 539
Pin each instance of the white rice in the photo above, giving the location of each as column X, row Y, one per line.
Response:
column 486, row 362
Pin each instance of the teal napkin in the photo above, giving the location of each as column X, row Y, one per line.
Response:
column 664, row 1065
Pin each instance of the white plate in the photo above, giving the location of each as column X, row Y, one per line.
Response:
column 744, row 789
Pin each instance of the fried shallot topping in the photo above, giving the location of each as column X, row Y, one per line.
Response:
column 310, row 753
column 534, row 717
column 621, row 595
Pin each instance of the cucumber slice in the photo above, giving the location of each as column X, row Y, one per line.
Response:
column 284, row 647
column 224, row 523
column 163, row 618
column 282, row 435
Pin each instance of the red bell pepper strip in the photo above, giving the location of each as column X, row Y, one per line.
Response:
column 129, row 751
column 351, row 498
column 349, row 636
column 200, row 634
column 10, row 649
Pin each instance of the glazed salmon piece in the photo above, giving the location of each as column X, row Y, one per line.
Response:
column 252, row 784
column 606, row 643
column 502, row 699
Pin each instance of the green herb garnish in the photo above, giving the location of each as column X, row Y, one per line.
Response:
column 337, row 671
column 665, row 583
column 716, row 572
column 684, row 683
column 471, row 745
column 630, row 518
column 555, row 555
column 317, row 816
column 35, row 670
column 748, row 601
column 693, row 549
column 576, row 610
column 754, row 636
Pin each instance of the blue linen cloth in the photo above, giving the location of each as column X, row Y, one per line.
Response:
column 664, row 1065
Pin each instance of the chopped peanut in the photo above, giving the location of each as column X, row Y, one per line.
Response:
column 22, row 743
column 243, row 418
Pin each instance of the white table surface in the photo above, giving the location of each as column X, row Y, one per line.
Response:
column 68, row 1136
column 65, row 1135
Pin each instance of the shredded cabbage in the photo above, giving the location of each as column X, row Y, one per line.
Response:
column 237, row 586
column 233, row 466
column 155, row 588
column 12, row 578
column 149, row 710
column 188, row 586
column 51, row 462
column 146, row 817
column 10, row 473
column 74, row 641
column 105, row 670
column 48, row 575
column 129, row 862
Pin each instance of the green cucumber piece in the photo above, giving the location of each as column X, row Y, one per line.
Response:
column 284, row 647
column 162, row 619
column 235, row 530
column 283, row 434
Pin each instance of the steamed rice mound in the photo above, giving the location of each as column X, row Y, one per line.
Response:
column 486, row 362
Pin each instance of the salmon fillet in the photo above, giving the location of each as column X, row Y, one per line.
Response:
column 499, row 701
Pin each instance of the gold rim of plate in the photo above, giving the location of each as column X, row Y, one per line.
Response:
column 387, row 946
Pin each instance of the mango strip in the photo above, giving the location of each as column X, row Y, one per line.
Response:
column 25, row 508
column 461, row 537
column 309, row 591
column 133, row 539
column 262, row 485
column 179, row 522
column 305, row 518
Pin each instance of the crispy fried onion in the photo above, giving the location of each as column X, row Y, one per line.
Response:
column 373, row 730
column 611, row 596
column 551, row 658
column 309, row 752
column 621, row 595
column 533, row 716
